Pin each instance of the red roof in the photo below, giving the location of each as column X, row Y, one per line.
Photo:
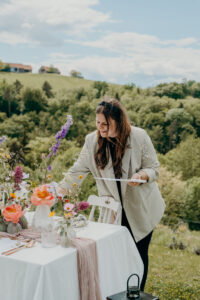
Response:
column 19, row 66
column 46, row 69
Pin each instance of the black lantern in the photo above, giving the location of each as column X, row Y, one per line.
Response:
column 133, row 292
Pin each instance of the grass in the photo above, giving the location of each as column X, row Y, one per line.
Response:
column 58, row 82
column 174, row 274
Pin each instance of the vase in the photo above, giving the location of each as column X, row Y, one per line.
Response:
column 13, row 228
column 67, row 236
column 48, row 238
column 3, row 226
column 41, row 220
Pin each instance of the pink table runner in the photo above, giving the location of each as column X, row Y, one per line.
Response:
column 87, row 269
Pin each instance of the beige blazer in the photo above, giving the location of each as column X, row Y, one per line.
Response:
column 143, row 204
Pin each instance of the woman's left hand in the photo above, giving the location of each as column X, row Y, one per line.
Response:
column 140, row 175
column 135, row 176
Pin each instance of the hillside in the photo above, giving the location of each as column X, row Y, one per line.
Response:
column 58, row 82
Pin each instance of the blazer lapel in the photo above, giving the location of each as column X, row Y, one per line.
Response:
column 108, row 172
column 126, row 166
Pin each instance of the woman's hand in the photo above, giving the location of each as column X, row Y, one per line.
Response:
column 139, row 175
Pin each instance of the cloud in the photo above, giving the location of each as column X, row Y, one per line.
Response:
column 57, row 18
column 132, row 54
column 14, row 38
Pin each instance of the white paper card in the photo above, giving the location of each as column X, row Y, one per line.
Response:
column 120, row 179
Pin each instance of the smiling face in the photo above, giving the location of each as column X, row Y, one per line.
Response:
column 102, row 126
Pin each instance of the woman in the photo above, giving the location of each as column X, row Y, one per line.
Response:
column 118, row 150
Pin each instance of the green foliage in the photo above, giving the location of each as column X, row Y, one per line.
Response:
column 1, row 65
column 184, row 159
column 17, row 127
column 129, row 86
column 76, row 74
column 171, row 90
column 18, row 86
column 102, row 88
column 180, row 125
column 192, row 203
column 9, row 102
column 5, row 68
column 33, row 99
column 173, row 191
column 47, row 88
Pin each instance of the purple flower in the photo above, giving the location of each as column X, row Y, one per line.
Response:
column 49, row 168
column 18, row 176
column 60, row 135
column 64, row 130
column 83, row 205
column 43, row 156
column 55, row 148
column 2, row 140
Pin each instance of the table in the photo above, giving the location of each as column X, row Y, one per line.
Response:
column 51, row 273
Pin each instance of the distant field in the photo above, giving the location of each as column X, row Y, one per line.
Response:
column 58, row 82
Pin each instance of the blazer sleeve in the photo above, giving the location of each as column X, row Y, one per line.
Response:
column 150, row 162
column 80, row 167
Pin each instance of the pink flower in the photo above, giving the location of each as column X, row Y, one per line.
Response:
column 13, row 213
column 18, row 176
column 41, row 195
column 83, row 205
column 68, row 206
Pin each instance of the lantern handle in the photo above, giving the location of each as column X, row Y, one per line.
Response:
column 130, row 278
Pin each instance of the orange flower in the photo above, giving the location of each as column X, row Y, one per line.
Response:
column 13, row 213
column 80, row 176
column 12, row 195
column 52, row 214
column 74, row 184
column 41, row 195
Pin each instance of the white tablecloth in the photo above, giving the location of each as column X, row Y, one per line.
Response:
column 51, row 273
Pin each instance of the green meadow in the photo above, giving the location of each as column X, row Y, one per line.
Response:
column 58, row 82
column 174, row 273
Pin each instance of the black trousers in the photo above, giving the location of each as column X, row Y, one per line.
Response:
column 142, row 246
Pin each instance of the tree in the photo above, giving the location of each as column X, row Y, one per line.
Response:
column 76, row 74
column 1, row 65
column 6, row 68
column 184, row 159
column 171, row 90
column 18, row 86
column 101, row 87
column 17, row 127
column 178, row 118
column 192, row 203
column 51, row 69
column 9, row 102
column 33, row 99
column 47, row 88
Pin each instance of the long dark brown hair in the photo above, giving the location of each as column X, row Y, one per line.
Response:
column 113, row 109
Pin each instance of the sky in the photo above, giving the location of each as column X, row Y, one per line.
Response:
column 145, row 42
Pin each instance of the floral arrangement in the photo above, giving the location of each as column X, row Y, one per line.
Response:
column 70, row 208
column 14, row 191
